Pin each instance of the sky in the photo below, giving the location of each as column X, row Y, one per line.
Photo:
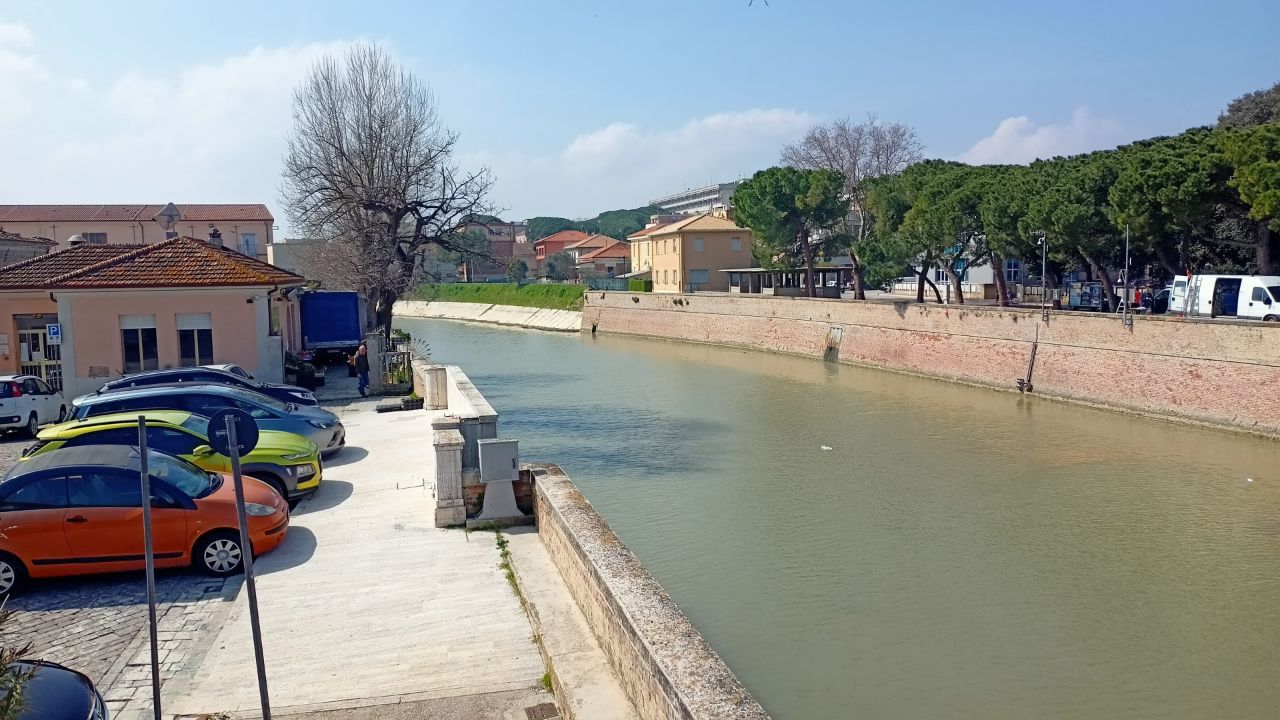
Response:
column 578, row 107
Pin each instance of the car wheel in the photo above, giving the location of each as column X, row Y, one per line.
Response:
column 33, row 425
column 13, row 575
column 1271, row 318
column 62, row 413
column 219, row 554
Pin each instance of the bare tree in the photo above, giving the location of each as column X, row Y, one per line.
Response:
column 859, row 151
column 369, row 173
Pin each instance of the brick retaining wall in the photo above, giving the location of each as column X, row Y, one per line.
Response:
column 1219, row 373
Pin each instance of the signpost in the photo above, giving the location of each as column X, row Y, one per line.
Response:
column 233, row 432
column 149, row 554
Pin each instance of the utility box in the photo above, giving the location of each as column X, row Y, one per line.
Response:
column 499, row 460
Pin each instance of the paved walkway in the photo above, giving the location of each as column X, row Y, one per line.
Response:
column 366, row 603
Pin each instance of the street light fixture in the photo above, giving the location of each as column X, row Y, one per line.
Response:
column 1044, row 275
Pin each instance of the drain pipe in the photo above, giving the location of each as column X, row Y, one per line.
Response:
column 1024, row 384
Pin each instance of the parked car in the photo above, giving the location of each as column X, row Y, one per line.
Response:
column 233, row 369
column 287, row 462
column 28, row 402
column 79, row 511
column 314, row 423
column 1253, row 297
column 54, row 692
column 283, row 393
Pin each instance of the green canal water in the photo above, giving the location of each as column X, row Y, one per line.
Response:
column 956, row 553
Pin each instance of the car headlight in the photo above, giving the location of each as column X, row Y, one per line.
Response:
column 258, row 510
column 320, row 424
column 296, row 456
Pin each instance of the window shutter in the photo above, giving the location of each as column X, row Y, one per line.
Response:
column 194, row 321
column 137, row 322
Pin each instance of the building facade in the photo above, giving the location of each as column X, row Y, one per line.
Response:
column 687, row 256
column 16, row 248
column 245, row 228
column 704, row 199
column 81, row 316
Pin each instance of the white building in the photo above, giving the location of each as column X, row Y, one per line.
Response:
column 699, row 200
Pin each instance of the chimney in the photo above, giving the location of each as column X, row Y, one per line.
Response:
column 215, row 237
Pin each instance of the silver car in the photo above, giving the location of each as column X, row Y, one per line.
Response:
column 314, row 423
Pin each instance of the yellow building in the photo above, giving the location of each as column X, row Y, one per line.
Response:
column 688, row 255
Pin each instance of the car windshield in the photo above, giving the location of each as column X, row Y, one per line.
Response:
column 263, row 400
column 181, row 474
column 1275, row 292
column 197, row 424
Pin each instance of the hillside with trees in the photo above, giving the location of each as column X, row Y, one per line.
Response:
column 614, row 223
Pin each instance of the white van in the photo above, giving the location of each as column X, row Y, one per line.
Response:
column 1252, row 297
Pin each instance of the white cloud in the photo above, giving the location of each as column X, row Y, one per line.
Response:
column 15, row 35
column 209, row 132
column 1021, row 140
column 625, row 165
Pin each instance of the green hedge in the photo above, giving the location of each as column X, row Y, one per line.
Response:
column 640, row 285
column 542, row 295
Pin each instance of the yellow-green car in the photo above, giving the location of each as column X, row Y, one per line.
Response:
column 289, row 463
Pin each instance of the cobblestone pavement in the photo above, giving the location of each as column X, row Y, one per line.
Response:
column 98, row 624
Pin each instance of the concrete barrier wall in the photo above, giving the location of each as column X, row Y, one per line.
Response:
column 1214, row 372
column 667, row 669
column 534, row 318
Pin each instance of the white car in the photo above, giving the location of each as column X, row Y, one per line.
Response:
column 28, row 402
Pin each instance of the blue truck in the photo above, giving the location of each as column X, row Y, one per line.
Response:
column 333, row 322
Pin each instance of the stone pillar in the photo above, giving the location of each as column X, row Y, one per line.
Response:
column 450, row 509
column 437, row 388
column 373, row 344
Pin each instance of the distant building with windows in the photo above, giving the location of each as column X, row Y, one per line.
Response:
column 246, row 228
column 707, row 199
column 688, row 255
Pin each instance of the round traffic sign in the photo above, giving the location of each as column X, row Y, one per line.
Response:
column 246, row 431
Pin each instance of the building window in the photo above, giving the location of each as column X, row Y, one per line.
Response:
column 1012, row 270
column 699, row 277
column 195, row 339
column 735, row 244
column 138, row 340
column 697, row 244
column 664, row 277
column 249, row 244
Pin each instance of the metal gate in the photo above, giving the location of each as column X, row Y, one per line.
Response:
column 39, row 358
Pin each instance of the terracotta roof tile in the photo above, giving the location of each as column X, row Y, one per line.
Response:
column 565, row 236
column 15, row 237
column 591, row 241
column 615, row 249
column 245, row 212
column 705, row 222
column 179, row 262
column 646, row 231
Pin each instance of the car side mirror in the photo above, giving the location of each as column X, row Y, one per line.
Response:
column 202, row 451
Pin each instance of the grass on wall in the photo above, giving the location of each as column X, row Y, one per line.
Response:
column 554, row 297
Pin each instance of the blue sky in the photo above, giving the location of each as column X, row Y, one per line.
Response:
column 579, row 107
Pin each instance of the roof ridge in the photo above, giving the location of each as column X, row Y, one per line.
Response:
column 108, row 262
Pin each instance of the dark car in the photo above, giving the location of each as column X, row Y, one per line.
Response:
column 314, row 423
column 1157, row 303
column 283, row 393
column 54, row 692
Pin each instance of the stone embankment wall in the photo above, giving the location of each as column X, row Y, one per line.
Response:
column 666, row 668
column 525, row 317
column 1219, row 373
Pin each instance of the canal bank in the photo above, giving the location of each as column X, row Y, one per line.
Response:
column 1221, row 373
column 507, row 315
column 957, row 552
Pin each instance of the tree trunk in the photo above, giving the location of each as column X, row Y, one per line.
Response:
column 953, row 277
column 923, row 274
column 382, row 316
column 1266, row 266
column 807, row 249
column 937, row 295
column 919, row 285
column 1108, row 287
column 1055, row 284
column 859, row 277
column 1002, row 287
column 1167, row 261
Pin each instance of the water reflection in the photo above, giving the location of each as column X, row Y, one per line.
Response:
column 957, row 553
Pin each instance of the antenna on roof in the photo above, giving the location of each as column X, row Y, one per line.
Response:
column 168, row 218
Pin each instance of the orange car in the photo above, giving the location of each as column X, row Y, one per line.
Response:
column 79, row 510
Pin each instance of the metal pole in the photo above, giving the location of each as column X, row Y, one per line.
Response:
column 1128, row 299
column 246, row 552
column 144, row 471
column 1044, row 278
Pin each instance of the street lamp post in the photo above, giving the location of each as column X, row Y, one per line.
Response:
column 1044, row 277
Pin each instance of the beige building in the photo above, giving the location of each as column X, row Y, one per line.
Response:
column 246, row 228
column 688, row 255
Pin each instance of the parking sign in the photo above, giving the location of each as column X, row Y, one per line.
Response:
column 53, row 333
